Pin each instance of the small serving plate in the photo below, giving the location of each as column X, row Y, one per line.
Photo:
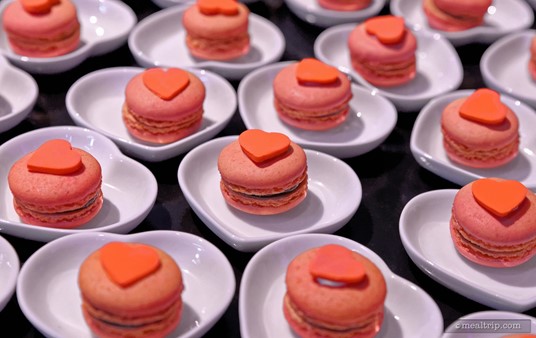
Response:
column 9, row 271
column 263, row 288
column 490, row 324
column 425, row 233
column 310, row 11
column 439, row 69
column 503, row 17
column 18, row 94
column 105, row 25
column 129, row 188
column 323, row 210
column 370, row 121
column 159, row 40
column 96, row 99
column 48, row 293
column 504, row 66
column 426, row 144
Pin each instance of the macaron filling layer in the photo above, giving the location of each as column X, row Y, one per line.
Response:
column 312, row 116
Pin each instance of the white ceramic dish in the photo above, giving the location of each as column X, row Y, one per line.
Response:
column 532, row 3
column 323, row 210
column 129, row 188
column 263, row 287
column 9, row 271
column 370, row 121
column 494, row 320
column 96, row 99
column 504, row 66
column 424, row 220
column 503, row 17
column 159, row 40
column 105, row 25
column 310, row 11
column 48, row 293
column 426, row 144
column 439, row 69
column 18, row 94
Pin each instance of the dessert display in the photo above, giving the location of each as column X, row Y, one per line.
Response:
column 56, row 186
column 130, row 290
column 312, row 95
column 455, row 15
column 41, row 28
column 263, row 173
column 480, row 131
column 163, row 105
column 217, row 29
column 493, row 222
column 334, row 292
column 532, row 60
column 344, row 5
column 382, row 50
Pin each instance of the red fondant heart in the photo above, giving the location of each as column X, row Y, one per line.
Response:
column 55, row 157
column 260, row 146
column 389, row 29
column 166, row 84
column 484, row 106
column 313, row 71
column 336, row 263
column 127, row 263
column 499, row 197
column 213, row 7
column 38, row 6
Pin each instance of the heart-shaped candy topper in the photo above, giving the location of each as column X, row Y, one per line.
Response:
column 484, row 106
column 55, row 157
column 166, row 84
column 127, row 263
column 38, row 6
column 260, row 146
column 214, row 7
column 389, row 29
column 311, row 70
column 337, row 264
column 499, row 197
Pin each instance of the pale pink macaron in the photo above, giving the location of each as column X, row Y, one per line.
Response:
column 217, row 36
column 344, row 5
column 455, row 15
column 492, row 240
column 383, row 64
column 532, row 61
column 49, row 34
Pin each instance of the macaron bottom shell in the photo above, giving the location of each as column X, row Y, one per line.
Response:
column 344, row 5
column 218, row 50
column 383, row 77
column 480, row 159
column 440, row 20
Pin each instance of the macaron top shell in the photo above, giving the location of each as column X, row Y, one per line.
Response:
column 473, row 8
column 143, row 102
column 17, row 20
column 478, row 135
column 215, row 26
column 368, row 47
column 315, row 97
column 516, row 228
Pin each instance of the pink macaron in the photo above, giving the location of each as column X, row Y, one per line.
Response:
column 455, row 15
column 344, row 5
column 532, row 60
column 493, row 222
column 41, row 31
column 311, row 95
column 382, row 50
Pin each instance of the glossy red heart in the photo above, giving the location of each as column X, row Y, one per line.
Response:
column 127, row 263
column 311, row 70
column 260, row 146
column 499, row 197
column 213, row 7
column 336, row 263
column 55, row 157
column 38, row 6
column 389, row 29
column 166, row 84
column 484, row 106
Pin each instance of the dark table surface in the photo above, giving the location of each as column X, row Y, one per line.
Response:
column 389, row 175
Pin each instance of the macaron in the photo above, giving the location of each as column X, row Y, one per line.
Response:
column 217, row 29
column 312, row 95
column 532, row 60
column 163, row 105
column 344, row 5
column 56, row 186
column 130, row 290
column 382, row 50
column 492, row 222
column 334, row 292
column 263, row 173
column 480, row 131
column 41, row 28
column 455, row 15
